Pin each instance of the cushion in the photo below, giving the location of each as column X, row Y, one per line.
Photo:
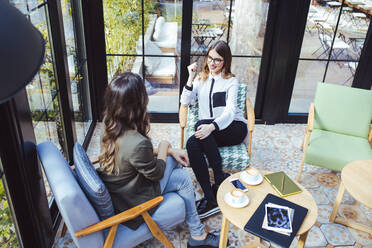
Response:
column 343, row 109
column 167, row 43
column 92, row 184
column 76, row 210
column 158, row 28
column 233, row 157
column 334, row 151
column 166, row 67
column 168, row 36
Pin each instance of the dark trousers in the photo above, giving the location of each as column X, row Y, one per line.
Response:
column 234, row 134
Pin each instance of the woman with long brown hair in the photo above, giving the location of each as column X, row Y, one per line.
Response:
column 130, row 170
column 221, row 122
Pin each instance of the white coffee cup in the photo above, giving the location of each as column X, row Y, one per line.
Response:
column 237, row 196
column 252, row 174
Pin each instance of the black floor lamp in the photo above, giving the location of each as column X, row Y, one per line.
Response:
column 22, row 49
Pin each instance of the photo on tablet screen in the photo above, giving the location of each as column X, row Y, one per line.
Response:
column 278, row 218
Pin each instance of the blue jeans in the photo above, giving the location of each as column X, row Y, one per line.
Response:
column 177, row 180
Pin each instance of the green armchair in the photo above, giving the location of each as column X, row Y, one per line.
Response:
column 339, row 127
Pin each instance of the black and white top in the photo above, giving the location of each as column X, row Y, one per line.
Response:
column 217, row 98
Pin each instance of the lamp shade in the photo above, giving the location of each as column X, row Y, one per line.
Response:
column 22, row 49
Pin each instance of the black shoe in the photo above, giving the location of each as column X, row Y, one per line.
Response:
column 197, row 203
column 216, row 186
column 207, row 208
column 226, row 175
column 215, row 189
column 210, row 241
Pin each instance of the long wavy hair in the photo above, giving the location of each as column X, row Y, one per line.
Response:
column 223, row 49
column 125, row 103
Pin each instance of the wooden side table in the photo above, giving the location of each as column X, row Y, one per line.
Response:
column 356, row 177
column 240, row 216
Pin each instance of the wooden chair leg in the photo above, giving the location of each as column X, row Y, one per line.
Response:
column 303, row 141
column 338, row 200
column 156, row 231
column 64, row 230
column 301, row 167
column 182, row 137
column 110, row 237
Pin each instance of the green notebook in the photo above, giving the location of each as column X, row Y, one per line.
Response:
column 282, row 184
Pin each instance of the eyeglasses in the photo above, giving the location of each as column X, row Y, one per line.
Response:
column 215, row 61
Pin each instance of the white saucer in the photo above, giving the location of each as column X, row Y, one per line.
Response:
column 243, row 176
column 240, row 205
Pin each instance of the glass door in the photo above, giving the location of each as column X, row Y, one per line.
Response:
column 77, row 66
column 143, row 37
column 242, row 24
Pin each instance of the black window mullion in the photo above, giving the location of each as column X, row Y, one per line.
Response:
column 282, row 48
column 229, row 23
column 94, row 34
column 187, row 7
column 86, row 106
column 333, row 41
column 143, row 38
column 363, row 73
column 58, row 44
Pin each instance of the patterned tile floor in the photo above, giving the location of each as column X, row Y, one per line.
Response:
column 275, row 148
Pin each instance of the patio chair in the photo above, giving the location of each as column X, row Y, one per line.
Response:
column 85, row 219
column 339, row 128
column 233, row 157
column 352, row 65
column 325, row 38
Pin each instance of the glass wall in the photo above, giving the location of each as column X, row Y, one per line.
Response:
column 332, row 44
column 77, row 66
column 242, row 24
column 146, row 40
column 42, row 92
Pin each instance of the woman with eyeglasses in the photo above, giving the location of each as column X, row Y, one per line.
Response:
column 221, row 122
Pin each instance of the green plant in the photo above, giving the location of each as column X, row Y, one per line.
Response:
column 8, row 237
column 123, row 26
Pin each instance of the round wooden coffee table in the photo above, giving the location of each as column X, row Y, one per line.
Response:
column 240, row 216
column 356, row 178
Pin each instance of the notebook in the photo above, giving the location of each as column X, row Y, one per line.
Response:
column 254, row 225
column 282, row 184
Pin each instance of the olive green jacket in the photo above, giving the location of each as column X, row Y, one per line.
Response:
column 139, row 175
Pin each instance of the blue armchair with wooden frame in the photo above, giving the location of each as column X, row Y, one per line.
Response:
column 87, row 210
column 339, row 128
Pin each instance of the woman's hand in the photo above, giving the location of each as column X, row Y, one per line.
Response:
column 192, row 73
column 179, row 155
column 204, row 130
column 162, row 150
